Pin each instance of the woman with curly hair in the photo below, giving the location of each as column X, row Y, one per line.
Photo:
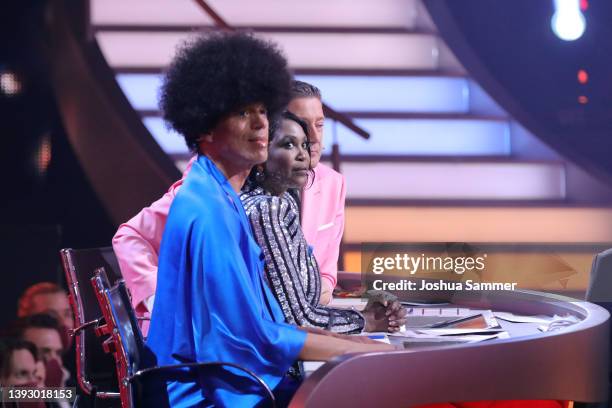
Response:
column 212, row 302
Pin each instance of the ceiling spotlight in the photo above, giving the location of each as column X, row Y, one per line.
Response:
column 568, row 22
column 10, row 85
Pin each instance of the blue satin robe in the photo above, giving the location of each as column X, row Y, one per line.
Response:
column 211, row 302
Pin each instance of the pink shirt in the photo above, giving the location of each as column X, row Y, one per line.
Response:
column 322, row 221
column 137, row 241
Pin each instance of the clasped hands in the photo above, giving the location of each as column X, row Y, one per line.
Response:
column 383, row 315
column 380, row 315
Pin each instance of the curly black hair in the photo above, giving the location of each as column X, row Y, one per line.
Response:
column 256, row 177
column 216, row 74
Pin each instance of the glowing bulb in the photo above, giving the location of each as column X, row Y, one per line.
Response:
column 9, row 83
column 568, row 22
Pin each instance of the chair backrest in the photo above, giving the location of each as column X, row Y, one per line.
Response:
column 126, row 341
column 94, row 367
column 600, row 283
column 600, row 289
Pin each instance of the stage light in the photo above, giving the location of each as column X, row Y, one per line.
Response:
column 43, row 155
column 568, row 22
column 584, row 4
column 583, row 76
column 10, row 84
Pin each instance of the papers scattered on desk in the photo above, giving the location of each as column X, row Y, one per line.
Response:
column 411, row 339
column 458, row 332
column 450, row 317
column 511, row 317
column 559, row 322
column 441, row 326
column 546, row 323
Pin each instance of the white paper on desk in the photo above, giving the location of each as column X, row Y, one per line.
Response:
column 417, row 336
column 347, row 303
column 511, row 317
column 559, row 322
column 457, row 332
column 311, row 366
column 477, row 338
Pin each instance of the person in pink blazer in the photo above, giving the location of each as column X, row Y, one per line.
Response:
column 137, row 241
column 322, row 208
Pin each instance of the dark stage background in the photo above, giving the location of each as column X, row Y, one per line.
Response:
column 47, row 203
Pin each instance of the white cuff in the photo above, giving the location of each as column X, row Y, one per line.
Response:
column 148, row 303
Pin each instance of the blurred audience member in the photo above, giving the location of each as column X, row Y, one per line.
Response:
column 51, row 299
column 46, row 297
column 20, row 367
column 18, row 363
column 44, row 332
column 41, row 372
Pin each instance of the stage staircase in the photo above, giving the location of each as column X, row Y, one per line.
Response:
column 444, row 162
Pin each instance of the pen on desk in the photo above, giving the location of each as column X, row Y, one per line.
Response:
column 450, row 322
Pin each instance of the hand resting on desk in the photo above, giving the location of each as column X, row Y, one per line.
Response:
column 388, row 315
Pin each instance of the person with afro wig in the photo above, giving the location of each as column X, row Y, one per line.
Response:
column 212, row 302
column 218, row 74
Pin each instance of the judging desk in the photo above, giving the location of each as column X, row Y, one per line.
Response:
column 570, row 363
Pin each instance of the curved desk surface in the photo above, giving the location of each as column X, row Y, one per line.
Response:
column 566, row 364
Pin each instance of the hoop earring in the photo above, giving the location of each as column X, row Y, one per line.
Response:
column 259, row 174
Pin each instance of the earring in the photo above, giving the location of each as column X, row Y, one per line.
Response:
column 259, row 173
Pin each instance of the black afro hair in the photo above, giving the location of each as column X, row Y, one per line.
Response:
column 217, row 74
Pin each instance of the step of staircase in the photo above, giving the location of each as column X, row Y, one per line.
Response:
column 442, row 163
column 360, row 95
column 425, row 136
column 303, row 50
column 411, row 137
column 437, row 179
column 550, row 224
column 322, row 13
